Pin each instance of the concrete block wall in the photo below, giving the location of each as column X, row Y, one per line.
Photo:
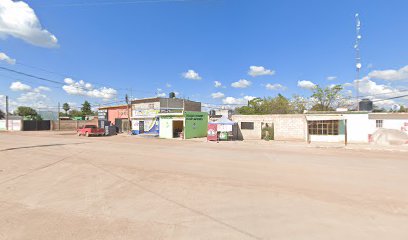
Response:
column 286, row 126
column 290, row 127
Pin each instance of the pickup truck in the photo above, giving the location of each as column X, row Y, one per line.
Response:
column 90, row 130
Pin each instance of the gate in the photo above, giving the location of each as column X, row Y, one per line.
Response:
column 118, row 124
column 34, row 125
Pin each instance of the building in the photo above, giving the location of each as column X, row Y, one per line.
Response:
column 146, row 112
column 285, row 126
column 351, row 127
column 183, row 125
column 115, row 115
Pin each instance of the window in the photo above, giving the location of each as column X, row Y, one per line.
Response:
column 247, row 125
column 379, row 123
column 326, row 127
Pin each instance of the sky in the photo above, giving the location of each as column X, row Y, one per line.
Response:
column 219, row 52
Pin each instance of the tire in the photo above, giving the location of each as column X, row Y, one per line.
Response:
column 87, row 134
column 79, row 134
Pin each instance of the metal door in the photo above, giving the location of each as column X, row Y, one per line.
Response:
column 141, row 127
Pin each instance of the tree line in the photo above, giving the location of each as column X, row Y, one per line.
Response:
column 322, row 99
column 32, row 114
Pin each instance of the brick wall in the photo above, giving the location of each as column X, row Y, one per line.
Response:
column 72, row 125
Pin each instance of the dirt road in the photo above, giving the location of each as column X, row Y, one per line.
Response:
column 67, row 187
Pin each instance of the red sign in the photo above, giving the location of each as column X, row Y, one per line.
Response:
column 212, row 132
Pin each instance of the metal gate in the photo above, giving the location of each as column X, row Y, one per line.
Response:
column 118, row 124
column 34, row 125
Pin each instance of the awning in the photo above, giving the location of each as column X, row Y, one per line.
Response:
column 324, row 117
column 223, row 121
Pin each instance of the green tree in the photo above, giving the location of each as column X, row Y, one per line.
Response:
column 299, row 104
column 403, row 109
column 2, row 114
column 26, row 112
column 66, row 108
column 276, row 105
column 327, row 99
column 76, row 113
column 86, row 108
column 253, row 107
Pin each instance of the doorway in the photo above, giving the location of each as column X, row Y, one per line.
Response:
column 177, row 129
column 141, row 127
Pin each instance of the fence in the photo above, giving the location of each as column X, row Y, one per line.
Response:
column 71, row 125
column 36, row 125
column 13, row 125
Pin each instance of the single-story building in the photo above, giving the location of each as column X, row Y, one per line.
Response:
column 184, row 125
column 290, row 127
column 355, row 127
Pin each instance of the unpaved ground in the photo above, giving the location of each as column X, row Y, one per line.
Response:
column 66, row 187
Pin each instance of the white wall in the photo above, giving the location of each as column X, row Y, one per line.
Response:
column 358, row 127
column 13, row 125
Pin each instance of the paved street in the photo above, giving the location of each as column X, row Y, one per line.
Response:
column 67, row 187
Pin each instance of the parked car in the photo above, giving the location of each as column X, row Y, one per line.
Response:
column 90, row 130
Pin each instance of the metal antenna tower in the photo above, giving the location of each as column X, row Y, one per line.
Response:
column 358, row 58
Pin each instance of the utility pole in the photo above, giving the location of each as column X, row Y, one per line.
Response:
column 59, row 118
column 358, row 59
column 128, row 113
column 7, row 110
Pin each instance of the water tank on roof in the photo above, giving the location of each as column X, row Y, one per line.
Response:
column 172, row 95
column 365, row 105
column 212, row 113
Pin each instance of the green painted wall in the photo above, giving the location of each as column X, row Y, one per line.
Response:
column 195, row 125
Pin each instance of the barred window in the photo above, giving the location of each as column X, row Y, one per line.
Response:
column 379, row 123
column 325, row 127
column 247, row 125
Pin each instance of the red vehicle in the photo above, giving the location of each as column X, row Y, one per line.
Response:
column 90, row 130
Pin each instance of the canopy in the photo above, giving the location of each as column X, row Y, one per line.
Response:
column 223, row 121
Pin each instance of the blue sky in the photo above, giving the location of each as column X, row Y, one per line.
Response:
column 147, row 46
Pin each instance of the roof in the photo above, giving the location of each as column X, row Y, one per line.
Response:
column 116, row 106
column 157, row 99
column 381, row 116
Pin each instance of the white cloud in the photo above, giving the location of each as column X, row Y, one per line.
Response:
column 390, row 75
column 275, row 86
column 18, row 19
column 348, row 85
column 42, row 88
column 306, row 84
column 19, row 86
column 332, row 78
column 191, row 74
column 369, row 87
column 161, row 95
column 237, row 101
column 7, row 59
column 86, row 89
column 217, row 95
column 168, row 85
column 255, row 71
column 241, row 84
column 217, row 84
